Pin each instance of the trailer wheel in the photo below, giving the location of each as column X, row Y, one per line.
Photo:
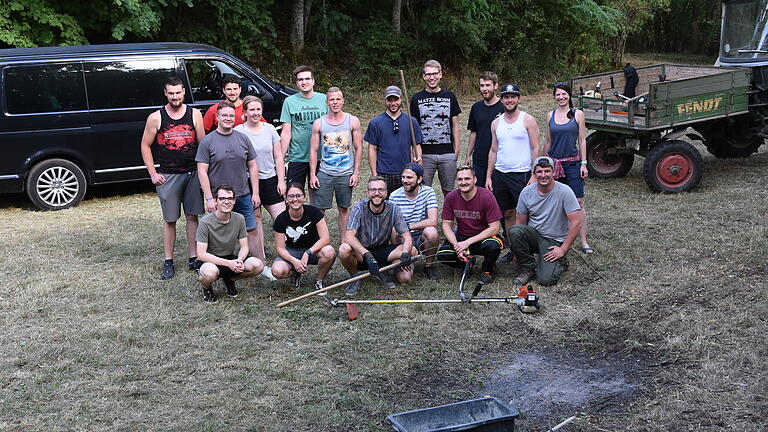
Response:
column 55, row 184
column 727, row 147
column 603, row 164
column 672, row 167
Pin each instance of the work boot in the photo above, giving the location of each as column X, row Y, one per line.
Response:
column 168, row 271
column 430, row 273
column 524, row 277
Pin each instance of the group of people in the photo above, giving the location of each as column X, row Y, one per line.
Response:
column 506, row 192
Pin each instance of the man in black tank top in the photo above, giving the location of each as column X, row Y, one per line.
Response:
column 170, row 140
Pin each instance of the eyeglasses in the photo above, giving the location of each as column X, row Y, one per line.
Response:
column 431, row 74
column 227, row 116
column 395, row 127
column 294, row 196
column 226, row 198
column 379, row 190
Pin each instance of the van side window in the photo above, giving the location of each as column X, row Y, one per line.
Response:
column 205, row 76
column 44, row 88
column 127, row 84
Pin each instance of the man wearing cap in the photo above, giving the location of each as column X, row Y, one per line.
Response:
column 418, row 204
column 548, row 221
column 482, row 114
column 390, row 143
column 514, row 144
column 437, row 111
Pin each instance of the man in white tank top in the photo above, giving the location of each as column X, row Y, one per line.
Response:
column 514, row 144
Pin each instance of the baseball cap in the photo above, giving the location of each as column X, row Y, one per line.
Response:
column 510, row 89
column 542, row 161
column 393, row 91
column 416, row 168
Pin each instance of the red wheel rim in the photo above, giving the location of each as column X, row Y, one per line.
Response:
column 674, row 169
column 604, row 164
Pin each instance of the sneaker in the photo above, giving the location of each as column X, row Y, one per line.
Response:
column 523, row 277
column 168, row 271
column 386, row 277
column 209, row 296
column 267, row 273
column 230, row 284
column 192, row 263
column 486, row 278
column 429, row 272
column 320, row 285
column 352, row 288
column 296, row 280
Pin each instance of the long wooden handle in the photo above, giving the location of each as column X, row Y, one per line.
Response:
column 352, row 279
column 408, row 109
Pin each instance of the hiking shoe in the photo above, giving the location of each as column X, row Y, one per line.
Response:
column 523, row 277
column 192, row 263
column 230, row 284
column 386, row 278
column 352, row 288
column 486, row 278
column 429, row 272
column 267, row 273
column 209, row 296
column 168, row 271
column 320, row 285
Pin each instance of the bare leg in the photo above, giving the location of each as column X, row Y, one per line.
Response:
column 281, row 269
column 342, row 220
column 583, row 231
column 325, row 259
column 253, row 242
column 275, row 209
column 349, row 258
column 191, row 230
column 251, row 267
column 208, row 274
column 257, row 247
column 509, row 219
column 429, row 244
column 169, row 238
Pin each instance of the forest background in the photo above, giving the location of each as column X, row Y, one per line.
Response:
column 357, row 43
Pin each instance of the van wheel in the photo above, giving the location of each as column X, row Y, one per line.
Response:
column 56, row 184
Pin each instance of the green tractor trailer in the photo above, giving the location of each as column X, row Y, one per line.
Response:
column 723, row 106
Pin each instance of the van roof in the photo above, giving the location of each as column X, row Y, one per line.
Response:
column 43, row 53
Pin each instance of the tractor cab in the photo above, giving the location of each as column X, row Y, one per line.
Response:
column 744, row 33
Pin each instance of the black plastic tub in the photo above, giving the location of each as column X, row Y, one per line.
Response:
column 478, row 415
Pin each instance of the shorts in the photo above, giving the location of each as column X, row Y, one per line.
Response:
column 573, row 178
column 330, row 186
column 393, row 181
column 244, row 206
column 480, row 172
column 268, row 191
column 180, row 189
column 445, row 165
column 380, row 254
column 298, row 254
column 297, row 172
column 507, row 187
column 224, row 271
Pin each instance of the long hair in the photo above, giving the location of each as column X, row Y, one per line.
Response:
column 566, row 88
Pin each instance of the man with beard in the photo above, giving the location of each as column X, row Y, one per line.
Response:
column 482, row 114
column 231, row 87
column 390, row 146
column 514, row 144
column 549, row 218
column 368, row 242
column 418, row 204
column 477, row 225
column 175, row 130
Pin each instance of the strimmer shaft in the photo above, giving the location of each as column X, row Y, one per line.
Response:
column 512, row 300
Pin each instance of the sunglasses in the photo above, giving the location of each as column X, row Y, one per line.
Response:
column 395, row 127
column 560, row 83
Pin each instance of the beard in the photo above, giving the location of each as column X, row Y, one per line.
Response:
column 510, row 111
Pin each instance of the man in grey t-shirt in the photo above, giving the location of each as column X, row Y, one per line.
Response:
column 548, row 221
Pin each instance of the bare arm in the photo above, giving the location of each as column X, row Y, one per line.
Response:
column 253, row 176
column 147, row 139
column 282, row 252
column 575, row 219
column 285, row 138
column 583, row 171
column 533, row 136
column 521, row 219
column 417, row 153
column 456, row 135
column 372, row 158
column 204, row 256
column 357, row 141
column 351, row 239
column 450, row 236
column 277, row 154
column 325, row 236
column 430, row 221
column 197, row 120
column 205, row 185
column 407, row 242
column 470, row 147
column 314, row 146
column 548, row 141
column 492, row 155
column 243, row 254
column 492, row 230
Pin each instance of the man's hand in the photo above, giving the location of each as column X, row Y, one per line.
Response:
column 235, row 265
column 418, row 159
column 353, row 180
column 531, row 180
column 256, row 200
column 405, row 259
column 373, row 265
column 554, row 254
column 314, row 182
column 281, row 188
column 210, row 205
column 157, row 179
column 299, row 265
column 489, row 184
column 461, row 246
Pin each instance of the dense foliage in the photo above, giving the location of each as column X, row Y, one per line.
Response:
column 688, row 26
column 535, row 40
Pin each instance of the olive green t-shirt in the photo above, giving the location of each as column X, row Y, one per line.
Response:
column 222, row 237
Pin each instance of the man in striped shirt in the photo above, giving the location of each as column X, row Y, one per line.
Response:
column 418, row 204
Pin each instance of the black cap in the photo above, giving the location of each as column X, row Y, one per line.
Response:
column 510, row 89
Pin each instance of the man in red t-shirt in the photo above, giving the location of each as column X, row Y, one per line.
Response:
column 231, row 88
column 477, row 216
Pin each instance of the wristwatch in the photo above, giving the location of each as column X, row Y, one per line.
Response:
column 308, row 252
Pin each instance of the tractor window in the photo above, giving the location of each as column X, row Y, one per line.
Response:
column 745, row 30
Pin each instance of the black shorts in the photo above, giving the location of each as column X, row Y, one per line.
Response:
column 507, row 187
column 268, row 191
column 297, row 172
column 224, row 271
column 380, row 254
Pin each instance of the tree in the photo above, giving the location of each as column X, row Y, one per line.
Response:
column 299, row 21
column 397, row 6
column 634, row 15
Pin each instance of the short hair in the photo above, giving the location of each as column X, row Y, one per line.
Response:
column 376, row 178
column 466, row 168
column 295, row 185
column 490, row 76
column 334, row 90
column 302, row 68
column 251, row 99
column 231, row 79
column 224, row 187
column 172, row 81
column 434, row 64
column 225, row 104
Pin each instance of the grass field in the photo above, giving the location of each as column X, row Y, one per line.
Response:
column 673, row 305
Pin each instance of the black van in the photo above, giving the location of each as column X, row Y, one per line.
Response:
column 73, row 116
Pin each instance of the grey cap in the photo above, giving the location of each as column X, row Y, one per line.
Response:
column 393, row 91
column 510, row 89
column 542, row 161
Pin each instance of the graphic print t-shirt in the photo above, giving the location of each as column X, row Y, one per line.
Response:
column 434, row 112
column 336, row 149
column 300, row 112
column 471, row 216
column 176, row 143
column 300, row 234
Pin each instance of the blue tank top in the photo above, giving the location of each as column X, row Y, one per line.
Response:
column 564, row 138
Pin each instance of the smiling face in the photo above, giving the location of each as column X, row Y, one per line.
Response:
column 432, row 76
column 510, row 102
column 465, row 180
column 410, row 180
column 393, row 104
column 225, row 200
column 232, row 92
column 488, row 89
column 253, row 113
column 543, row 175
column 295, row 198
column 226, row 118
column 562, row 97
column 377, row 192
column 305, row 82
column 175, row 95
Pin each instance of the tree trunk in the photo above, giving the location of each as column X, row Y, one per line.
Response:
column 397, row 6
column 297, row 26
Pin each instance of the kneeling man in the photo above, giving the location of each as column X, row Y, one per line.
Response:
column 222, row 246
column 548, row 221
column 367, row 242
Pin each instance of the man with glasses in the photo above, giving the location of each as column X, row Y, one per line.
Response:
column 299, row 112
column 222, row 247
column 390, row 145
column 477, row 217
column 226, row 156
column 437, row 111
column 368, row 243
column 231, row 87
column 302, row 239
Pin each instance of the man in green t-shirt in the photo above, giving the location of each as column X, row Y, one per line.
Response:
column 299, row 112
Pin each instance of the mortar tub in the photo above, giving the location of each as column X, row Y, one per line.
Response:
column 488, row 414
